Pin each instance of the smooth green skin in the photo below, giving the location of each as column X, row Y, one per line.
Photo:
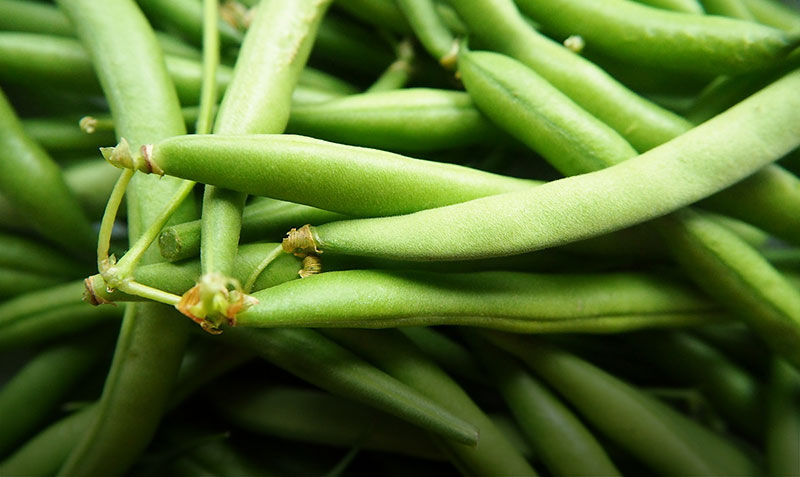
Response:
column 265, row 219
column 318, row 360
column 24, row 15
column 685, row 6
column 448, row 353
column 178, row 277
column 383, row 14
column 652, row 432
column 775, row 14
column 305, row 415
column 350, row 180
column 512, row 301
column 395, row 354
column 559, row 439
column 186, row 17
column 651, row 36
column 413, row 120
column 52, row 324
column 575, row 142
column 318, row 79
column 258, row 100
column 14, row 282
column 22, row 253
column 349, row 47
column 30, row 58
column 35, row 391
column 429, row 28
column 145, row 108
column 691, row 362
column 34, row 184
column 44, row 454
column 783, row 420
column 63, row 135
column 728, row 8
column 703, row 161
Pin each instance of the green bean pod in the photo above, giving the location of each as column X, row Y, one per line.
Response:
column 380, row 13
column 60, row 135
column 15, row 282
column 775, row 14
column 22, row 253
column 651, row 36
column 630, row 418
column 783, row 420
column 35, row 17
column 728, row 8
column 511, row 301
column 685, row 6
column 304, row 415
column 448, row 353
column 265, row 219
column 318, row 360
column 392, row 352
column 347, row 46
column 429, row 28
column 186, row 17
column 558, row 437
column 29, row 398
column 35, row 186
column 356, row 181
column 692, row 166
column 414, row 119
column 691, row 362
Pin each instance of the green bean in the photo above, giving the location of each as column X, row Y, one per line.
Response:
column 346, row 46
column 449, row 354
column 63, row 134
column 33, row 183
column 510, row 301
column 258, row 100
column 381, row 13
column 186, row 17
column 652, row 36
column 429, row 28
column 558, row 437
column 728, row 8
column 44, row 454
column 318, row 360
column 775, row 14
column 575, row 142
column 691, row 362
column 21, row 15
column 177, row 47
column 685, row 6
column 410, row 120
column 14, row 282
column 722, row 151
column 320, row 80
column 211, row 456
column 366, row 181
column 738, row 343
column 783, row 420
column 310, row 416
column 630, row 418
column 391, row 351
column 38, row 388
column 397, row 74
column 265, row 219
column 145, row 108
column 22, row 253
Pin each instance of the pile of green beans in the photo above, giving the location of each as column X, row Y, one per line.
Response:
column 399, row 237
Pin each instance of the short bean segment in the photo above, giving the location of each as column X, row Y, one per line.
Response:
column 355, row 181
column 652, row 36
column 414, row 119
column 35, row 185
column 558, row 437
column 512, row 301
column 702, row 161
column 613, row 406
column 395, row 354
column 561, row 132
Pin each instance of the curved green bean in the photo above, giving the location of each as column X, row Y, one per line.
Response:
column 558, row 437
column 394, row 353
column 629, row 417
column 33, row 183
column 658, row 37
column 414, row 119
column 429, row 28
column 511, row 301
column 685, row 6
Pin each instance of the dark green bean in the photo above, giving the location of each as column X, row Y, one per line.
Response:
column 558, row 437
column 391, row 351
column 318, row 360
column 63, row 134
column 346, row 46
column 686, row 6
column 652, row 36
column 33, row 183
column 381, row 13
column 630, row 418
column 23, row 253
column 783, row 420
column 15, row 282
column 35, row 17
column 449, row 354
column 186, row 17
column 728, row 8
column 310, row 416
